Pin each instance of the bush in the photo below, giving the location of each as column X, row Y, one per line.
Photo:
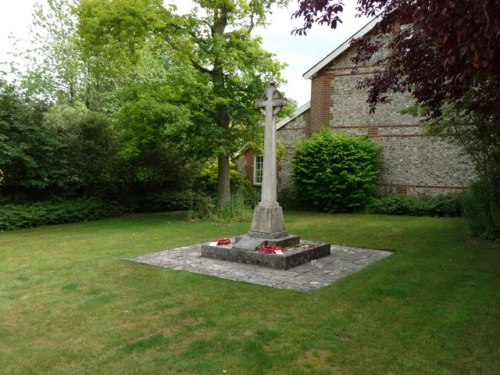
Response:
column 249, row 193
column 482, row 210
column 335, row 172
column 206, row 182
column 450, row 204
column 14, row 216
column 56, row 212
column 168, row 201
column 288, row 199
column 236, row 212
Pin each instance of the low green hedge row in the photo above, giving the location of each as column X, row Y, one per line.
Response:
column 168, row 201
column 442, row 205
column 14, row 216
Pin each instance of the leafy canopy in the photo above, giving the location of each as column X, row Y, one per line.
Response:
column 444, row 49
column 215, row 68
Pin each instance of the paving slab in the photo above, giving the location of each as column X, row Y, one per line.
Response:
column 308, row 277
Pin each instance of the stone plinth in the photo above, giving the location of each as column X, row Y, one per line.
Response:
column 268, row 221
column 250, row 243
column 295, row 255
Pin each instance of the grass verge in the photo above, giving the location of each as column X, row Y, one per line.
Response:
column 69, row 304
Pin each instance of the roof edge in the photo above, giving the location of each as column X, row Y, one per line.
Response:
column 295, row 114
column 344, row 46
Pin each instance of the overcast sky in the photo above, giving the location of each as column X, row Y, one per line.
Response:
column 299, row 52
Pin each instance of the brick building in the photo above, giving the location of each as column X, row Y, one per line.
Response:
column 413, row 162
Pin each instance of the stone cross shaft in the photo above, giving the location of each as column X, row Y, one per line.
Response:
column 270, row 104
column 268, row 223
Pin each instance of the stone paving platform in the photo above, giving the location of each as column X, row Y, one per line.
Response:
column 308, row 277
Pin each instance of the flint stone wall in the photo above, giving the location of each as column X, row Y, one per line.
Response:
column 413, row 162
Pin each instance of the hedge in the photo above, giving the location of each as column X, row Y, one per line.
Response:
column 14, row 216
column 450, row 204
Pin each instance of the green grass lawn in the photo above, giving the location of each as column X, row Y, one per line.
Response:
column 69, row 304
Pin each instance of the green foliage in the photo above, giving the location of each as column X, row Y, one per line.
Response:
column 14, row 216
column 56, row 72
column 288, row 199
column 66, row 150
column 115, row 31
column 126, row 96
column 56, row 212
column 335, row 172
column 287, row 110
column 202, row 208
column 169, row 201
column 31, row 154
column 482, row 210
column 450, row 204
column 256, row 145
column 151, row 111
column 206, row 182
column 92, row 151
column 208, row 105
column 237, row 211
column 472, row 123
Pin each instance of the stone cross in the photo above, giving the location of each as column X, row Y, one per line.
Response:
column 268, row 223
column 270, row 104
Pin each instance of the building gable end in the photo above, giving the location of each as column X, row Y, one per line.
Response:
column 341, row 49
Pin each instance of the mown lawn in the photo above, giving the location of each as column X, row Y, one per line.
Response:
column 69, row 304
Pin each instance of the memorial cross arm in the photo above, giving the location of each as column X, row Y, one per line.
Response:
column 271, row 101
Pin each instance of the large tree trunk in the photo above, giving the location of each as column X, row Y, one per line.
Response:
column 223, row 182
column 222, row 114
column 223, row 176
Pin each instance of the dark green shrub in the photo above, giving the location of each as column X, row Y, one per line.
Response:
column 482, row 210
column 202, row 208
column 288, row 199
column 56, row 212
column 450, row 204
column 169, row 201
column 236, row 211
column 249, row 193
column 335, row 172
column 206, row 182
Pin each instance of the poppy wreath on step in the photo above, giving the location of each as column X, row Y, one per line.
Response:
column 222, row 241
column 270, row 249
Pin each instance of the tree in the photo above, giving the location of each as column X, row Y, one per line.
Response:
column 31, row 158
column 444, row 48
column 235, row 67
column 224, row 68
column 54, row 71
column 59, row 133
column 112, row 38
column 446, row 54
column 463, row 123
column 90, row 148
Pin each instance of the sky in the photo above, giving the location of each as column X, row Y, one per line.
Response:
column 299, row 52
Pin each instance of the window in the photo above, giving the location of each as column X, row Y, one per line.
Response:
column 258, row 164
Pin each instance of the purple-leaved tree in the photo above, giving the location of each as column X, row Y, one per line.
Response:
column 446, row 53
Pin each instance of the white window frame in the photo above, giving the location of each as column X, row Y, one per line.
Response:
column 258, row 165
